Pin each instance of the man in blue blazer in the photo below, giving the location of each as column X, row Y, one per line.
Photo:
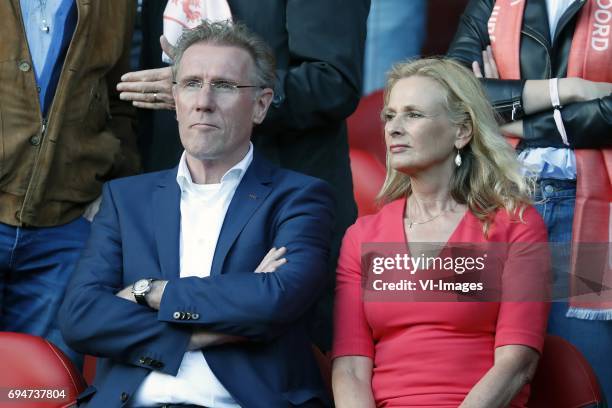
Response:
column 178, row 290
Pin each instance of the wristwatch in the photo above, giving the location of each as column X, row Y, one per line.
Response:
column 140, row 288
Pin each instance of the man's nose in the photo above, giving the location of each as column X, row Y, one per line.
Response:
column 205, row 98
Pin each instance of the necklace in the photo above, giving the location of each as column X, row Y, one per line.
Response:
column 411, row 223
column 44, row 26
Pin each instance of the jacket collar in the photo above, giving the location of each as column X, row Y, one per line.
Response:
column 250, row 194
column 535, row 21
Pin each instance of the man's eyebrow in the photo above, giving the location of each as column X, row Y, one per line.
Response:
column 225, row 79
column 215, row 78
column 190, row 77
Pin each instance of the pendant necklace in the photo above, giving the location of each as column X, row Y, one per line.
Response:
column 44, row 26
column 411, row 223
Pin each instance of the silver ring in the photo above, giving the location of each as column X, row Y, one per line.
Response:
column 155, row 97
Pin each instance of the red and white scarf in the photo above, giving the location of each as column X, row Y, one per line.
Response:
column 590, row 58
column 182, row 15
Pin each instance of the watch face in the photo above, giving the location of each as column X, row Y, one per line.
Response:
column 141, row 285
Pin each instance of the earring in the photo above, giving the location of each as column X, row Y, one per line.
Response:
column 458, row 159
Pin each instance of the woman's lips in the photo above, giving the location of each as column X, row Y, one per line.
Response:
column 398, row 148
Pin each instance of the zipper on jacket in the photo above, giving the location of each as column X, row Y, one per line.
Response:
column 504, row 106
column 43, row 129
column 501, row 109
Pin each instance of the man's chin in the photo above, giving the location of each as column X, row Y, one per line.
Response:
column 202, row 154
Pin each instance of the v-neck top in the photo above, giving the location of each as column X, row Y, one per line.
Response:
column 431, row 354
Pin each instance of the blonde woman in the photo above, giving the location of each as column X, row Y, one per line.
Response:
column 451, row 178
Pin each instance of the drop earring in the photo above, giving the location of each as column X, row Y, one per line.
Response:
column 458, row 159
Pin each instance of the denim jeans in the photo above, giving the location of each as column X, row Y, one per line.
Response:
column 35, row 266
column 555, row 201
column 396, row 31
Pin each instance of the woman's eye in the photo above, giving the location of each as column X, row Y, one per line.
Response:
column 414, row 115
column 386, row 117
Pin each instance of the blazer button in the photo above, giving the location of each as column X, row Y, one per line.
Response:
column 24, row 66
column 187, row 315
column 141, row 360
column 195, row 316
column 35, row 140
column 124, row 396
column 182, row 315
column 176, row 315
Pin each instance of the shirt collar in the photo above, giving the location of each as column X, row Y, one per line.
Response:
column 185, row 182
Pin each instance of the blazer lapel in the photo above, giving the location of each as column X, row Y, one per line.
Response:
column 166, row 221
column 250, row 194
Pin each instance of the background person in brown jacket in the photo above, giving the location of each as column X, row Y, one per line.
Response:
column 63, row 132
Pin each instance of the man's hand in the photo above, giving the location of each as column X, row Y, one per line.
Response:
column 150, row 88
column 272, row 260
column 126, row 293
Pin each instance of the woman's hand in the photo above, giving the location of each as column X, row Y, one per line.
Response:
column 272, row 260
column 514, row 129
column 490, row 67
column 513, row 367
column 536, row 94
column 582, row 90
column 150, row 88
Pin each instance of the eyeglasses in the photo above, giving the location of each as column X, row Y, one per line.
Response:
column 217, row 87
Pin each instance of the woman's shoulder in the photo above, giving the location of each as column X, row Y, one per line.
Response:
column 522, row 224
column 387, row 213
column 386, row 218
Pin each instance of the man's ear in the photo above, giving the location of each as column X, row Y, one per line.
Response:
column 464, row 135
column 263, row 99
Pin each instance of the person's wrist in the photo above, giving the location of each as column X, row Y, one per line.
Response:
column 570, row 90
column 153, row 298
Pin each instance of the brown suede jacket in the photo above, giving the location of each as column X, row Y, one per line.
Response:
column 51, row 168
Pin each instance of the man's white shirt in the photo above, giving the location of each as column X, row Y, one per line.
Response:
column 203, row 209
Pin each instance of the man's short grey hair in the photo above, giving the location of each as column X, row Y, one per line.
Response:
column 231, row 35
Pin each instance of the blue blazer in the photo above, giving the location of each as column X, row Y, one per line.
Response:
column 136, row 235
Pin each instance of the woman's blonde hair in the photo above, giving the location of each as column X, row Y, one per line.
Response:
column 489, row 177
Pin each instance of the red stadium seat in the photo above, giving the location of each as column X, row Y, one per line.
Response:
column 32, row 363
column 564, row 379
column 367, row 152
column 365, row 130
column 89, row 368
column 368, row 177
